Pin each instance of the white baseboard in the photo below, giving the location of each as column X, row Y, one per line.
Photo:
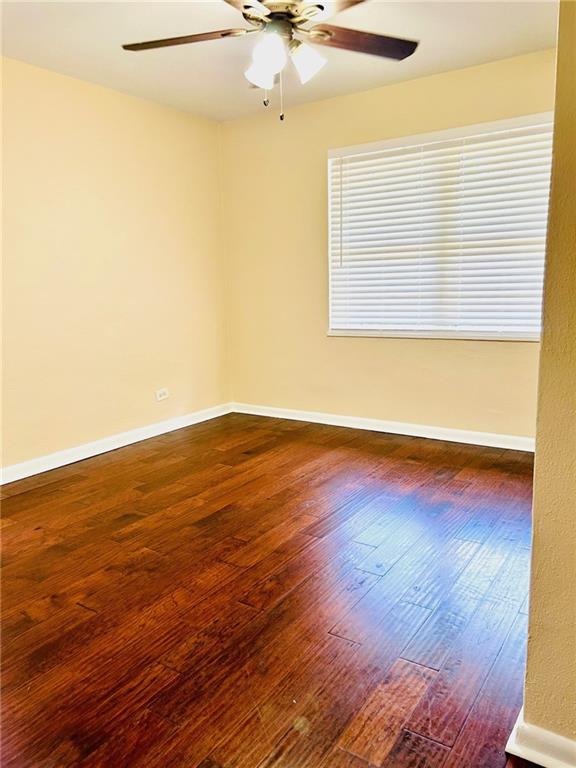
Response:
column 71, row 455
column 540, row 746
column 515, row 442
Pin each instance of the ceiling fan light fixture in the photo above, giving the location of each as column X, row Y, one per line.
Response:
column 307, row 60
column 280, row 25
column 260, row 77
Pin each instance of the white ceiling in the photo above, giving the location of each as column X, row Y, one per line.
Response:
column 83, row 39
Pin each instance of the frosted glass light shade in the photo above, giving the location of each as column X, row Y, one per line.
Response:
column 307, row 60
column 270, row 53
column 260, row 77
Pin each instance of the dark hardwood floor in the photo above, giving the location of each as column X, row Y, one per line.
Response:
column 252, row 592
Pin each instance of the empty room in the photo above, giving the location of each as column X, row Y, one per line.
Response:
column 288, row 384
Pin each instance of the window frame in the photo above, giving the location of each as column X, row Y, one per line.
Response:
column 541, row 118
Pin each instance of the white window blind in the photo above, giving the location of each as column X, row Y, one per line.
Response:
column 442, row 235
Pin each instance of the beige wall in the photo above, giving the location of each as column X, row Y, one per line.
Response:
column 124, row 273
column 112, row 263
column 275, row 204
column 550, row 696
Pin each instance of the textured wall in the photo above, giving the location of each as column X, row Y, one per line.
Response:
column 275, row 205
column 112, row 268
column 550, row 697
column 117, row 284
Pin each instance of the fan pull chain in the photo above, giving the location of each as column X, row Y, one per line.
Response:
column 281, row 96
column 266, row 101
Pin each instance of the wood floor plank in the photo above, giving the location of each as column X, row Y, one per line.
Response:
column 68, row 740
column 266, row 644
column 21, row 617
column 445, row 706
column 252, row 592
column 130, row 741
column 518, row 762
column 433, row 584
column 327, row 553
column 283, row 706
column 374, row 730
column 340, row 759
column 260, row 547
column 480, row 743
column 364, row 622
column 413, row 751
column 326, row 717
column 405, row 534
column 498, row 565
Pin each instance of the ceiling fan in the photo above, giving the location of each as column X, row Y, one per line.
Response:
column 287, row 26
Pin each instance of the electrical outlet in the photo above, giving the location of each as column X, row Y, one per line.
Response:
column 162, row 394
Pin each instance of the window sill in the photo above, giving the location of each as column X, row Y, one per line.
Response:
column 433, row 335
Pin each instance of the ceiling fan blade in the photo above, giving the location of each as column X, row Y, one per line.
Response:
column 362, row 42
column 320, row 10
column 251, row 6
column 185, row 39
column 332, row 7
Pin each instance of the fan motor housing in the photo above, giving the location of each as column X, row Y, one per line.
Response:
column 280, row 25
column 286, row 7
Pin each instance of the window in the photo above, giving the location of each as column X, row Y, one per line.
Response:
column 441, row 235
